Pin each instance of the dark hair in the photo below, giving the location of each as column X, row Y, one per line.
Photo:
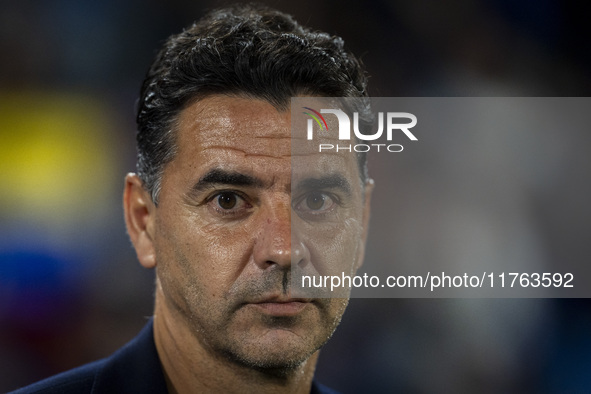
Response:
column 247, row 50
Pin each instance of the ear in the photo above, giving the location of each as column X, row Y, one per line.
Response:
column 369, row 185
column 139, row 219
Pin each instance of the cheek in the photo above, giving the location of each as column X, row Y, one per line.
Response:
column 334, row 247
column 335, row 309
column 223, row 250
column 207, row 256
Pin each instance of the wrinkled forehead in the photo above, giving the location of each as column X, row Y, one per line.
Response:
column 250, row 133
column 252, row 126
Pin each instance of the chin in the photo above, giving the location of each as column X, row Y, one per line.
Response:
column 278, row 351
column 275, row 364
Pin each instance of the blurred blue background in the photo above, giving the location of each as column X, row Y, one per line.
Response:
column 71, row 290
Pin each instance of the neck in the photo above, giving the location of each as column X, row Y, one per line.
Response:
column 190, row 367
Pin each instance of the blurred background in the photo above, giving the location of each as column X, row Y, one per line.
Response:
column 71, row 290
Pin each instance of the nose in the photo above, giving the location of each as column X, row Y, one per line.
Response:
column 276, row 243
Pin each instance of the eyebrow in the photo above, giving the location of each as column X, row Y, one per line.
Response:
column 218, row 176
column 331, row 181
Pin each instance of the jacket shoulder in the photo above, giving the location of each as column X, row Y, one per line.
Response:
column 77, row 380
column 319, row 388
column 133, row 368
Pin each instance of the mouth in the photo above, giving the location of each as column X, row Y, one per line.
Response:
column 278, row 306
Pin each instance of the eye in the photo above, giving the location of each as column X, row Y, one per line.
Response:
column 316, row 203
column 227, row 200
column 229, row 203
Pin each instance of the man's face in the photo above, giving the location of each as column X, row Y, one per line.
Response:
column 223, row 236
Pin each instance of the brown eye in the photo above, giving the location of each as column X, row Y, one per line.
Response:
column 315, row 201
column 227, row 200
column 316, row 205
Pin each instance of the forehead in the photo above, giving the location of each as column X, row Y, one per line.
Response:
column 246, row 135
column 234, row 122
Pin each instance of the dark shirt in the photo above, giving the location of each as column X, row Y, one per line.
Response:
column 135, row 368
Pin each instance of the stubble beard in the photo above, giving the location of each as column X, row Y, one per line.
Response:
column 265, row 358
column 212, row 324
column 275, row 357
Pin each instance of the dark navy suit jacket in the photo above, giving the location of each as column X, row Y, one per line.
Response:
column 135, row 368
